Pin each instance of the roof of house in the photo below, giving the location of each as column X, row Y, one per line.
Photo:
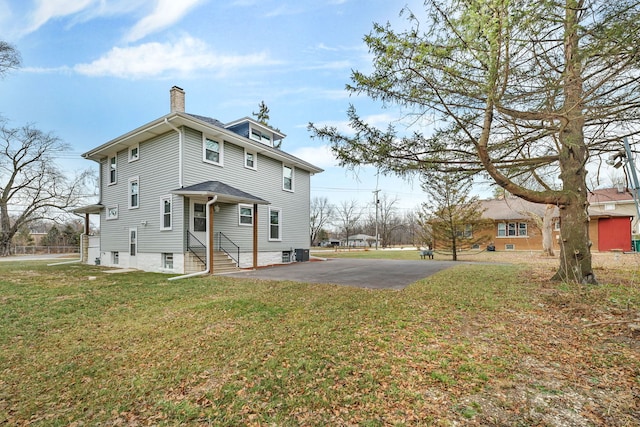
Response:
column 361, row 237
column 512, row 208
column 515, row 208
column 605, row 195
column 225, row 193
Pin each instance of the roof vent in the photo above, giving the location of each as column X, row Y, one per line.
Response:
column 177, row 99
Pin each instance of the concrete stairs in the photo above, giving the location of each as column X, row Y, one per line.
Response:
column 221, row 263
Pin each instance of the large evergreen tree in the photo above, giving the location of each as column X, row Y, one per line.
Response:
column 525, row 92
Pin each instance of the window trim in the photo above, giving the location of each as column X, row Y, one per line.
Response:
column 197, row 217
column 284, row 167
column 164, row 258
column 515, row 226
column 109, row 208
column 220, row 161
column 240, row 216
column 113, row 167
column 137, row 156
column 135, row 179
column 279, row 210
column 255, row 159
column 258, row 135
column 163, row 213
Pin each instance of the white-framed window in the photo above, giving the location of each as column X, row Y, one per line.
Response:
column 115, row 257
column 275, row 224
column 112, row 212
column 287, row 178
column 212, row 151
column 134, row 153
column 199, row 217
column 134, row 192
column 167, row 261
column 260, row 136
column 509, row 247
column 556, row 225
column 245, row 214
column 113, row 170
column 133, row 241
column 250, row 160
column 166, row 213
column 512, row 229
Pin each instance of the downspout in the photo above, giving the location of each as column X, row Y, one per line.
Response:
column 180, row 142
column 209, row 245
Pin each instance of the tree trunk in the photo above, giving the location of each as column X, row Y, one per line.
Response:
column 575, row 247
column 5, row 244
column 547, row 231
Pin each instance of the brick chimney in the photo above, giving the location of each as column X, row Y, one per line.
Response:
column 177, row 99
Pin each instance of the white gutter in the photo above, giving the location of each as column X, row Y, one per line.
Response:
column 75, row 260
column 180, row 142
column 209, row 245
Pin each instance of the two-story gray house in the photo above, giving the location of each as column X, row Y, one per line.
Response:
column 187, row 193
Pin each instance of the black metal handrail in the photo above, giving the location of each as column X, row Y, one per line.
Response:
column 226, row 245
column 196, row 247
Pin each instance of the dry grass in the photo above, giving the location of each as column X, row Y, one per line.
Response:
column 481, row 345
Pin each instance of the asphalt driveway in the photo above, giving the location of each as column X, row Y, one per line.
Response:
column 363, row 273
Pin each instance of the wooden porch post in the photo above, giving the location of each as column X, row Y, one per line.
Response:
column 255, row 235
column 86, row 224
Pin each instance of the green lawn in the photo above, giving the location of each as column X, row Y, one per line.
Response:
column 483, row 344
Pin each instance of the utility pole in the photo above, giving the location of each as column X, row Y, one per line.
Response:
column 377, row 202
column 624, row 158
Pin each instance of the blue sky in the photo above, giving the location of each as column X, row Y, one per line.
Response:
column 95, row 69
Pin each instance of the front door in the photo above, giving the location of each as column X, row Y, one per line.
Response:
column 198, row 220
column 133, row 247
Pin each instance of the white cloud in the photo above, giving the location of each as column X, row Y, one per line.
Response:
column 186, row 56
column 166, row 13
column 50, row 9
column 320, row 156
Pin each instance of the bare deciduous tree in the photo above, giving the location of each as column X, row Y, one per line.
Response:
column 322, row 213
column 348, row 214
column 31, row 186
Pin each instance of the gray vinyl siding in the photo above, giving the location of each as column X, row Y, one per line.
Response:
column 157, row 172
column 265, row 182
column 157, row 169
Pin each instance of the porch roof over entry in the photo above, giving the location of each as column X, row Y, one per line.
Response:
column 225, row 193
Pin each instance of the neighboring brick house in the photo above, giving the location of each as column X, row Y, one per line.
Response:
column 513, row 227
column 184, row 192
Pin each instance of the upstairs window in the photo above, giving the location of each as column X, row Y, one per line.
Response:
column 250, row 160
column 113, row 166
column 134, row 153
column 134, row 193
column 259, row 136
column 212, row 151
column 287, row 178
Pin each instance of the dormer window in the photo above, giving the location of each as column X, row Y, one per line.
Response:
column 259, row 136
